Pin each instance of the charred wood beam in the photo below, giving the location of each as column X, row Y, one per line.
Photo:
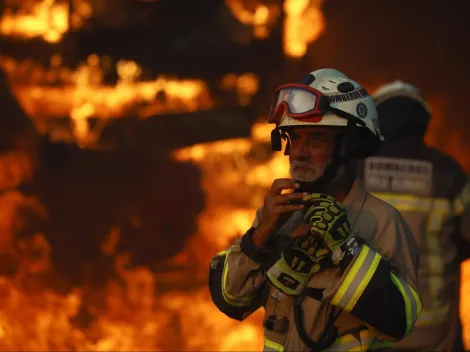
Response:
column 193, row 59
column 207, row 45
column 88, row 192
column 162, row 132
column 14, row 123
column 167, row 132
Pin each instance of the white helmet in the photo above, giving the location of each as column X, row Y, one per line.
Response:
column 326, row 97
column 343, row 94
column 400, row 89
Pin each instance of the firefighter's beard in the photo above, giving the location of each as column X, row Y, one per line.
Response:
column 305, row 171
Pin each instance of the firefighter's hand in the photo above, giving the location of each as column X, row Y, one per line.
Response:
column 276, row 209
column 327, row 219
column 305, row 257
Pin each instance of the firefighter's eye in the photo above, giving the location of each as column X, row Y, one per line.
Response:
column 317, row 139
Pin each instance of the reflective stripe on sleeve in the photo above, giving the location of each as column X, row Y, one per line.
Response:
column 230, row 299
column 366, row 342
column 433, row 316
column 357, row 279
column 462, row 200
column 270, row 346
column 412, row 302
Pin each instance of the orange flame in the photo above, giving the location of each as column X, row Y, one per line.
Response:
column 304, row 23
column 81, row 94
column 48, row 19
column 236, row 175
column 234, row 181
column 260, row 16
column 15, row 167
column 245, row 85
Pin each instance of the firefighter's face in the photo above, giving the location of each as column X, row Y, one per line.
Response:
column 311, row 151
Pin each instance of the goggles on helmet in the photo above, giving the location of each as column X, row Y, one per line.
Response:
column 298, row 101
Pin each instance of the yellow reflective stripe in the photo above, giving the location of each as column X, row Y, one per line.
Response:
column 417, row 299
column 222, row 253
column 230, row 299
column 412, row 302
column 272, row 346
column 462, row 200
column 433, row 316
column 434, row 255
column 407, row 202
column 380, row 345
column 357, row 279
column 364, row 342
column 438, row 210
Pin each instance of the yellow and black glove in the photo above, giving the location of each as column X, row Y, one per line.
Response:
column 317, row 247
column 327, row 218
column 304, row 257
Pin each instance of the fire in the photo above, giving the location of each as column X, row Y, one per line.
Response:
column 465, row 305
column 82, row 93
column 236, row 175
column 260, row 16
column 133, row 312
column 132, row 316
column 245, row 85
column 240, row 177
column 48, row 19
column 304, row 23
column 15, row 167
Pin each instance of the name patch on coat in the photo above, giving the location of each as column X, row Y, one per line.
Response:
column 395, row 175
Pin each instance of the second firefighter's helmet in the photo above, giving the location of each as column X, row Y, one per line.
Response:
column 400, row 88
column 402, row 109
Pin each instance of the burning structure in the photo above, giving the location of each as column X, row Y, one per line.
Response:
column 130, row 156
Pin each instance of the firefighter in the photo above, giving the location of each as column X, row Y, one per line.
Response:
column 334, row 267
column 433, row 194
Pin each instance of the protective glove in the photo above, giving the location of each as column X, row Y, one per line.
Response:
column 315, row 246
column 301, row 259
column 327, row 218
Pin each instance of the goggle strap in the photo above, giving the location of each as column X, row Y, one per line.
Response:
column 345, row 115
column 324, row 104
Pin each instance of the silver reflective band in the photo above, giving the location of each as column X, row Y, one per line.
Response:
column 433, row 316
